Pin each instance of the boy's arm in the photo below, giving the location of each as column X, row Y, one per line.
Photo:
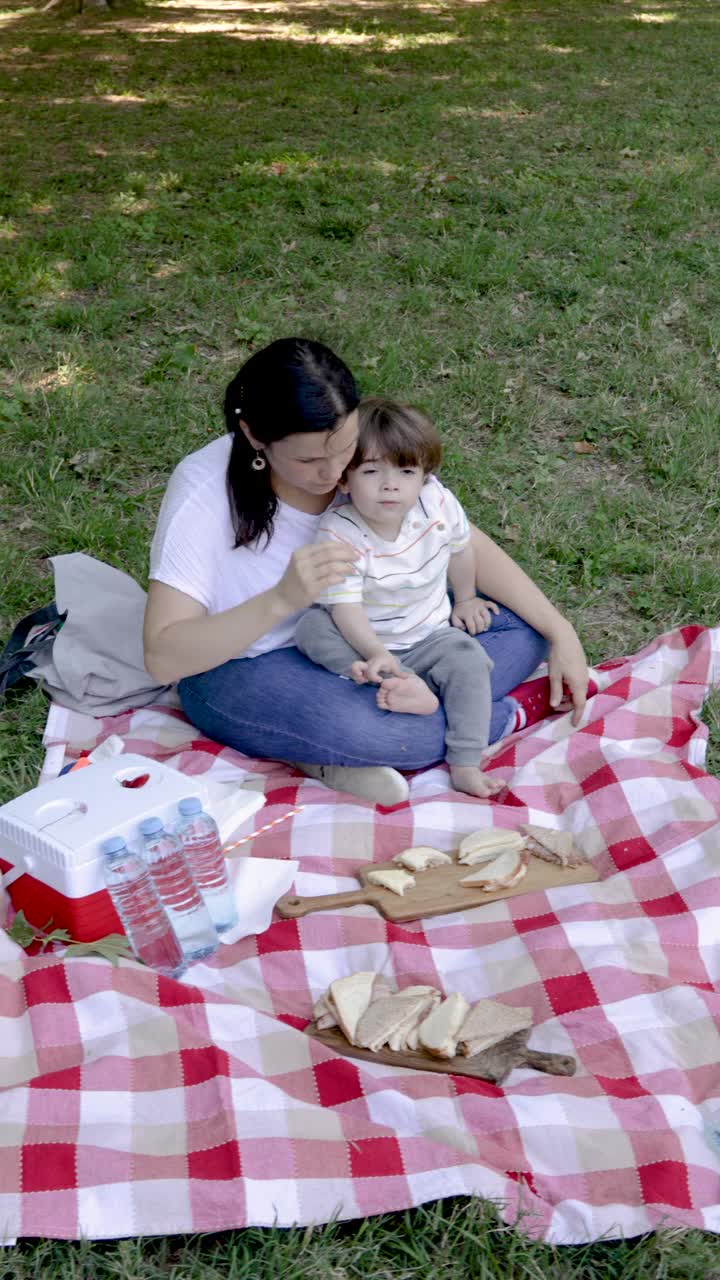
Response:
column 461, row 574
column 469, row 613
column 354, row 625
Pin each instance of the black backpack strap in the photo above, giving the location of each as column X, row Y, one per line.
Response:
column 32, row 633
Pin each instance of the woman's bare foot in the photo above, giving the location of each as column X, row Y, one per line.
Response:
column 406, row 693
column 465, row 777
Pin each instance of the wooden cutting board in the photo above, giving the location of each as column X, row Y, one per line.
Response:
column 436, row 892
column 493, row 1065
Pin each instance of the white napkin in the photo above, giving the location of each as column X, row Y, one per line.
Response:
column 257, row 884
column 9, row 950
column 232, row 806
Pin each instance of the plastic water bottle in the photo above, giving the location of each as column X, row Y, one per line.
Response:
column 203, row 849
column 141, row 912
column 178, row 891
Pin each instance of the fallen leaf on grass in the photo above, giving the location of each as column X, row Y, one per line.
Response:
column 584, row 446
column 675, row 311
column 87, row 461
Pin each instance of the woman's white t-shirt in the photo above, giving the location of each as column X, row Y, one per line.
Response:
column 194, row 551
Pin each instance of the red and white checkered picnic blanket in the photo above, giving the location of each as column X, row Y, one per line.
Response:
column 132, row 1104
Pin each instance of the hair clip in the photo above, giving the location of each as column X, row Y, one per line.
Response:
column 238, row 410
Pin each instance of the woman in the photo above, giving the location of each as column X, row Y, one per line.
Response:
column 233, row 565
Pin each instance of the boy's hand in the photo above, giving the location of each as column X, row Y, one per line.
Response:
column 473, row 615
column 372, row 670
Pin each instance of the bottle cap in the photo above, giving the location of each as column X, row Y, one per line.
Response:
column 191, row 804
column 150, row 826
column 113, row 844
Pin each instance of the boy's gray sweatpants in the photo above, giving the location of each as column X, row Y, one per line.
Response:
column 450, row 661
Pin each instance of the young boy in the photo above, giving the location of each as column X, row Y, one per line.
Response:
column 391, row 622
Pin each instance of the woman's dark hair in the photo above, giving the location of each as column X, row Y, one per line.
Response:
column 403, row 435
column 291, row 386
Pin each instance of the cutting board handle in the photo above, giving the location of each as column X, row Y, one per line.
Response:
column 292, row 907
column 553, row 1064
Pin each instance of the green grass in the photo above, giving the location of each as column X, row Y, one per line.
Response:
column 447, row 1240
column 507, row 212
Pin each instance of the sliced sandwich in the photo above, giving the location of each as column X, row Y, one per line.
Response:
column 438, row 1033
column 383, row 1018
column 396, row 881
column 422, row 989
column 553, row 846
column 421, row 857
column 324, row 1014
column 481, row 846
column 398, row 1040
column 504, row 871
column 407, row 1038
column 489, row 1022
column 349, row 998
column 382, row 987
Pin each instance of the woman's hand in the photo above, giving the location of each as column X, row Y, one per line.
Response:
column 312, row 569
column 567, row 665
column 473, row 615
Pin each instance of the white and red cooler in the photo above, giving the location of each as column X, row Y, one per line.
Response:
column 51, row 837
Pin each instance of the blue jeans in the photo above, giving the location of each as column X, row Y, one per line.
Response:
column 280, row 706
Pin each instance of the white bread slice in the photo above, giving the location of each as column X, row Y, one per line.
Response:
column 350, row 998
column 480, row 845
column 395, row 881
column 421, row 857
column 412, row 1038
column 422, row 989
column 553, row 846
column 321, row 1006
column 384, row 1017
column 414, row 1018
column 438, row 1033
column 411, row 1027
column 323, row 1014
column 503, row 872
column 489, row 1022
column 479, row 856
column 381, row 987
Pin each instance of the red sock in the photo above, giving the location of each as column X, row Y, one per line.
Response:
column 533, row 699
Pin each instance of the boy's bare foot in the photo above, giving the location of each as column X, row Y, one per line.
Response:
column 409, row 694
column 465, row 777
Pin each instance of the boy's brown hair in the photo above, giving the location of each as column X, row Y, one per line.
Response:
column 398, row 432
